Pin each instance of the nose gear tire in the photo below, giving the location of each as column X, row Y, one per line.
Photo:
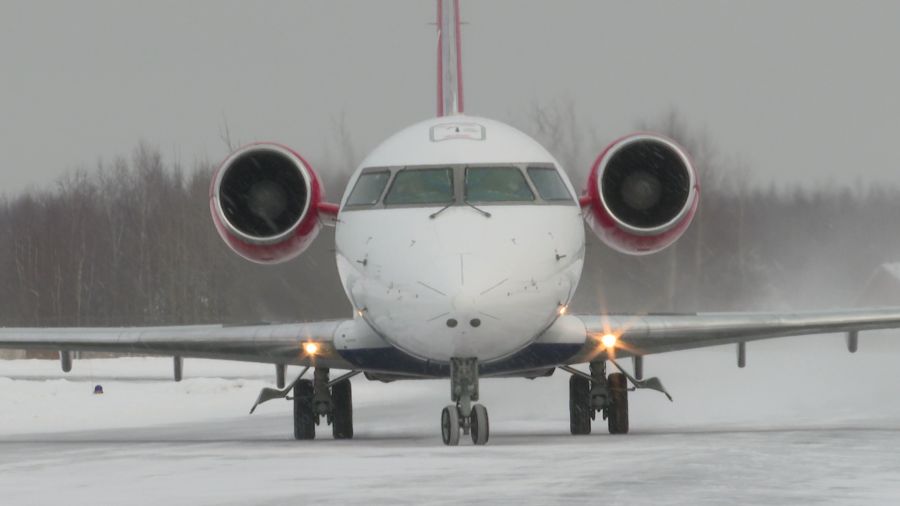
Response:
column 480, row 427
column 450, row 425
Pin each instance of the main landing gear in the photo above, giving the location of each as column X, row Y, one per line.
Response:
column 320, row 398
column 315, row 399
column 601, row 393
column 463, row 415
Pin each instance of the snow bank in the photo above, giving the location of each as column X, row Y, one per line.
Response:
column 807, row 382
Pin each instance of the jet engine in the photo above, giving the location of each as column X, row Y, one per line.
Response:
column 642, row 194
column 264, row 200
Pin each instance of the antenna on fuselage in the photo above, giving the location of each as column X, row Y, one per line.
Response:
column 449, row 59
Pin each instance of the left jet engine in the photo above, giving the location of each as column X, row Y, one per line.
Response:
column 264, row 200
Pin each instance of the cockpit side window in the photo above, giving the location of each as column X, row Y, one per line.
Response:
column 368, row 188
column 548, row 183
column 497, row 184
column 421, row 186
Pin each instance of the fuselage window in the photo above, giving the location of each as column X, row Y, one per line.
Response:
column 497, row 184
column 548, row 183
column 368, row 188
column 421, row 186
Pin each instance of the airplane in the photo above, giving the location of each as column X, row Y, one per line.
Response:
column 459, row 242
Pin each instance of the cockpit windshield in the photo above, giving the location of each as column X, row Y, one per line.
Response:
column 445, row 186
column 421, row 186
column 497, row 184
column 548, row 183
column 368, row 188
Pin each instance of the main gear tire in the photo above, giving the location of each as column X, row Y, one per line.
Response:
column 580, row 408
column 617, row 411
column 342, row 406
column 304, row 416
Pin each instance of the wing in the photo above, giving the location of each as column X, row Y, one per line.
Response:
column 276, row 343
column 649, row 334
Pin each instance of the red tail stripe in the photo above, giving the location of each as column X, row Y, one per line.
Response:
column 440, row 59
column 459, row 80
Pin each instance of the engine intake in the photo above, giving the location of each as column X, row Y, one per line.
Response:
column 264, row 201
column 642, row 193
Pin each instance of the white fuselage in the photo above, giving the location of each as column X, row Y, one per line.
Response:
column 460, row 283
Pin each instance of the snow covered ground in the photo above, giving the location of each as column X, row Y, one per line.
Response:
column 805, row 422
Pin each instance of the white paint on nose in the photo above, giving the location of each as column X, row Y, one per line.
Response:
column 463, row 302
column 499, row 279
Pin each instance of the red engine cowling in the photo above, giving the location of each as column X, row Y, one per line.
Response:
column 643, row 193
column 264, row 200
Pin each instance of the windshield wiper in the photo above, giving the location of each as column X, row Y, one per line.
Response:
column 482, row 211
column 439, row 211
column 466, row 202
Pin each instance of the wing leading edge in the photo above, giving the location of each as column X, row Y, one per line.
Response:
column 571, row 340
column 276, row 343
column 649, row 334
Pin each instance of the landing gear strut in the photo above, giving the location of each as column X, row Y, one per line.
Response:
column 320, row 398
column 463, row 415
column 599, row 393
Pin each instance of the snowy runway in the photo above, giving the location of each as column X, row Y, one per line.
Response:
column 795, row 427
column 823, row 466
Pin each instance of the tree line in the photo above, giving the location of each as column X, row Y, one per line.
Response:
column 130, row 242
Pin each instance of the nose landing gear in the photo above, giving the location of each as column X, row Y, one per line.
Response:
column 464, row 416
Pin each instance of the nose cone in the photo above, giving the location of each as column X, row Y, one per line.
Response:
column 463, row 285
column 493, row 324
column 465, row 314
column 464, row 302
column 493, row 307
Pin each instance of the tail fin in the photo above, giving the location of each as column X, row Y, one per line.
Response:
column 449, row 70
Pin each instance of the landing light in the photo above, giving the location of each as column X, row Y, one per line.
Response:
column 311, row 348
column 609, row 340
column 562, row 309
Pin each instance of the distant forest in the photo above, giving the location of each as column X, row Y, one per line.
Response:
column 131, row 242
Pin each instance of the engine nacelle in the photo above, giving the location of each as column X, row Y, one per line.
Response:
column 264, row 201
column 643, row 193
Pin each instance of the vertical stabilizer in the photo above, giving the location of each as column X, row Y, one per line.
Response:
column 449, row 58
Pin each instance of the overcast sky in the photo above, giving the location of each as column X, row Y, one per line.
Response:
column 798, row 90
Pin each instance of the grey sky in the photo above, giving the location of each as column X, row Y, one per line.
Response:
column 799, row 90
